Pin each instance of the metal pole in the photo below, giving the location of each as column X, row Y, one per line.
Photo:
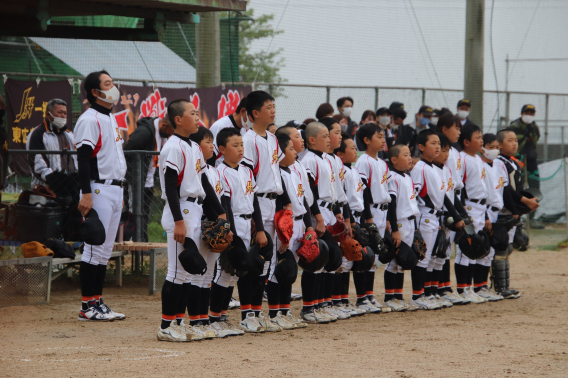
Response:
column 271, row 89
column 508, row 109
column 376, row 98
column 546, row 128
column 327, row 94
column 423, row 96
column 474, row 58
column 562, row 136
column 565, row 192
column 137, row 202
column 525, row 184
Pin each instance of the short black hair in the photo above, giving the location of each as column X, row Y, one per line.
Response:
column 176, row 108
column 328, row 122
column 224, row 135
column 342, row 100
column 323, row 110
column 424, row 135
column 343, row 145
column 467, row 132
column 446, row 120
column 367, row 131
column 202, row 133
column 242, row 104
column 256, row 100
column 283, row 141
column 394, row 151
column 501, row 134
column 444, row 141
column 284, row 130
column 489, row 138
column 93, row 81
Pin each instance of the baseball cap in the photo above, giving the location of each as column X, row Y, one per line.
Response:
column 286, row 270
column 463, row 101
column 293, row 123
column 92, row 230
column 396, row 105
column 405, row 256
column 528, row 108
column 399, row 113
column 426, row 110
column 382, row 111
column 190, row 258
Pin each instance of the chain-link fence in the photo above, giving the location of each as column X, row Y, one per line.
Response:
column 25, row 281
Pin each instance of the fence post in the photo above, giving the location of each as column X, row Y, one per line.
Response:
column 137, row 199
column 562, row 142
column 546, row 128
column 423, row 96
column 376, row 98
column 525, row 186
column 507, row 109
column 271, row 89
column 565, row 193
column 327, row 94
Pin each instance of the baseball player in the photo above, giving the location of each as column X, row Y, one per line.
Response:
column 262, row 155
column 402, row 213
column 431, row 198
column 101, row 173
column 186, row 189
column 239, row 120
column 374, row 173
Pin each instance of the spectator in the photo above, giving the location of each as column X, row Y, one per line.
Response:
column 307, row 121
column 403, row 134
column 150, row 135
column 271, row 128
column 368, row 117
column 424, row 118
column 59, row 172
column 3, row 145
column 324, row 110
column 343, row 122
column 345, row 108
column 464, row 107
column 384, row 119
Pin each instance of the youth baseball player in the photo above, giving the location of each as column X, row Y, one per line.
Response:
column 239, row 120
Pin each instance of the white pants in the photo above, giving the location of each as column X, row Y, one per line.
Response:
column 268, row 210
column 428, row 225
column 191, row 213
column 477, row 212
column 406, row 229
column 107, row 202
column 380, row 219
column 243, row 227
column 294, row 245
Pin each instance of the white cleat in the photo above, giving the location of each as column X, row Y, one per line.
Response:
column 267, row 324
column 489, row 295
column 297, row 323
column 251, row 324
column 190, row 333
column 107, row 310
column 395, row 305
column 281, row 321
column 221, row 329
column 204, row 331
column 296, row 297
column 95, row 313
column 380, row 306
column 434, row 302
column 310, row 317
column 368, row 307
column 410, row 306
column 173, row 333
column 455, row 298
column 473, row 298
column 345, row 310
column 424, row 304
column 325, row 315
column 442, row 301
column 359, row 311
column 234, row 304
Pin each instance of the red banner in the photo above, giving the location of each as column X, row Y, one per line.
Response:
column 137, row 102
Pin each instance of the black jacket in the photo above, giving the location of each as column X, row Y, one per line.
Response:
column 406, row 134
column 142, row 139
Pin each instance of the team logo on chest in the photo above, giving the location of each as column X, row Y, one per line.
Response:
column 249, row 188
column 483, row 174
column 501, row 183
column 459, row 163
column 413, row 195
column 384, row 178
column 274, row 157
column 360, row 186
column 332, row 177
column 118, row 137
column 300, row 190
column 97, row 191
column 342, row 174
column 442, row 188
column 450, row 184
column 198, row 166
column 218, row 187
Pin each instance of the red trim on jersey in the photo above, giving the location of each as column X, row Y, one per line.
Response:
column 256, row 167
column 370, row 174
column 99, row 142
column 227, row 181
column 464, row 170
column 318, row 170
column 181, row 174
column 424, row 190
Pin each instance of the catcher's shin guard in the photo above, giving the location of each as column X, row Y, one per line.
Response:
column 500, row 275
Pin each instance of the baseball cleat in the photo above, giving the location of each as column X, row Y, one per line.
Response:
column 204, row 331
column 234, row 303
column 443, row 302
column 265, row 297
column 230, row 326
column 267, row 323
column 424, row 304
column 487, row 294
column 368, row 307
column 251, row 324
column 281, row 321
column 358, row 310
column 298, row 323
column 190, row 333
column 325, row 313
column 107, row 310
column 455, row 298
column 173, row 333
column 395, row 305
column 296, row 297
column 309, row 317
column 434, row 302
column 221, row 330
column 472, row 297
column 380, row 306
column 342, row 308
column 341, row 315
column 95, row 313
column 410, row 306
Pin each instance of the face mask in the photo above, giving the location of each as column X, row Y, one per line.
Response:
column 490, row 154
column 394, row 127
column 424, row 121
column 246, row 122
column 528, row 119
column 343, row 127
column 112, row 95
column 463, row 114
column 57, row 121
column 434, row 121
column 385, row 120
column 347, row 112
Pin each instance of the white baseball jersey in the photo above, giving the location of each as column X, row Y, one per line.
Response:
column 238, row 184
column 299, row 167
column 502, row 163
column 354, row 188
column 339, row 174
column 429, row 185
column 454, row 163
column 401, row 186
column 446, row 176
column 295, row 188
column 215, row 180
column 496, row 181
column 264, row 154
column 220, row 124
column 187, row 160
column 474, row 175
column 375, row 171
column 322, row 172
column 100, row 131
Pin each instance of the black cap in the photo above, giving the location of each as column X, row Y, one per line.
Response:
column 319, row 261
column 366, row 263
column 382, row 111
column 528, row 108
column 92, row 230
column 293, row 123
column 399, row 113
column 405, row 256
column 286, row 270
column 239, row 256
column 335, row 254
column 441, row 112
column 190, row 258
column 426, row 110
column 464, row 101
column 396, row 105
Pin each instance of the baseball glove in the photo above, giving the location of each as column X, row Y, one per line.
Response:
column 419, row 245
column 309, row 250
column 284, row 224
column 338, row 231
column 35, row 249
column 351, row 250
column 214, row 233
column 360, row 234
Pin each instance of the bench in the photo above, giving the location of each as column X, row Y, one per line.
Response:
column 69, row 263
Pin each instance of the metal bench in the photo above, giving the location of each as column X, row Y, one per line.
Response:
column 70, row 262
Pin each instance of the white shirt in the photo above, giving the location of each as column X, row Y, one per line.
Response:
column 100, row 131
column 375, row 171
column 454, row 163
column 215, row 180
column 240, row 186
column 220, row 124
column 339, row 174
column 295, row 188
column 299, row 167
column 429, row 185
column 354, row 188
column 401, row 186
column 264, row 154
column 187, row 160
column 496, row 181
column 474, row 175
column 322, row 172
column 446, row 177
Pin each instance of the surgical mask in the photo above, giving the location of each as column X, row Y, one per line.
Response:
column 394, row 127
column 528, row 119
column 490, row 154
column 246, row 122
column 434, row 121
column 424, row 121
column 384, row 120
column 343, row 127
column 463, row 114
column 347, row 112
column 112, row 95
column 58, row 121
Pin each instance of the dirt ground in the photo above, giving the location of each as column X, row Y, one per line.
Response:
column 511, row 338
